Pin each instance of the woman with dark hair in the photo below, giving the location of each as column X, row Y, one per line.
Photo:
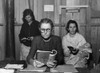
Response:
column 28, row 31
column 68, row 24
column 76, row 49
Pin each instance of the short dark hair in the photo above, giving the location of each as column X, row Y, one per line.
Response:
column 46, row 20
column 74, row 22
column 28, row 12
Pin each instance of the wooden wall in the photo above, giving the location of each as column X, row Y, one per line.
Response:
column 60, row 19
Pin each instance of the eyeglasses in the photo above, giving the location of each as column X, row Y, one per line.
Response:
column 43, row 30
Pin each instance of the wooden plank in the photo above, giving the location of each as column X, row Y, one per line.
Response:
column 93, row 35
column 83, row 2
column 40, row 9
column 88, row 22
column 73, row 6
column 2, row 43
column 95, row 20
column 63, row 2
column 63, row 16
column 82, row 30
column 56, row 30
column 48, row 14
column 64, row 32
column 95, row 7
column 62, row 19
column 56, row 12
column 94, row 40
column 82, row 16
column 98, row 44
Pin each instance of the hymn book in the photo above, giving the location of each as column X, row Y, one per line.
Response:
column 42, row 56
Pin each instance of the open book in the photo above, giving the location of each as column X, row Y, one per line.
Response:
column 42, row 56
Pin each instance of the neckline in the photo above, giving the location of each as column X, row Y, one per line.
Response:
column 72, row 36
column 30, row 23
column 46, row 40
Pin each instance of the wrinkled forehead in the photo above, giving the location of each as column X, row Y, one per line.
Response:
column 45, row 25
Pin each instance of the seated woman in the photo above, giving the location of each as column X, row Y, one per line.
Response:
column 46, row 42
column 76, row 49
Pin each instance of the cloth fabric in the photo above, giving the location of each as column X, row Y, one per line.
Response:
column 54, row 43
column 77, row 42
column 29, row 30
column 24, row 52
column 26, row 32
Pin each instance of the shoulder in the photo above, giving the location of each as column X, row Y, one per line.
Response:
column 80, row 38
column 66, row 36
column 79, row 35
column 35, row 24
column 24, row 24
column 37, row 38
column 35, row 21
column 56, row 38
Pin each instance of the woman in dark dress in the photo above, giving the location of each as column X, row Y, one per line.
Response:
column 28, row 31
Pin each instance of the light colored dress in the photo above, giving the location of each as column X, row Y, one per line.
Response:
column 24, row 52
column 78, row 42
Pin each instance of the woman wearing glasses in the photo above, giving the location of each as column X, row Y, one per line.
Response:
column 46, row 42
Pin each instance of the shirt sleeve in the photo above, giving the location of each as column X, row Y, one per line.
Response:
column 60, row 55
column 22, row 34
column 32, row 50
column 65, row 44
column 81, row 42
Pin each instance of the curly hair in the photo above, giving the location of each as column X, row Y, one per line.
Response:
column 28, row 12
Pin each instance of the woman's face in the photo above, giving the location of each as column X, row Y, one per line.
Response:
column 45, row 29
column 72, row 28
column 28, row 18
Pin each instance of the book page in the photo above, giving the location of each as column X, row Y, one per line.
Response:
column 14, row 66
column 32, row 68
column 66, row 68
column 42, row 56
column 6, row 70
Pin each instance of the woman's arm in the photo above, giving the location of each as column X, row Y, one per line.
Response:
column 85, row 50
column 22, row 33
column 32, row 51
column 60, row 54
column 65, row 47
